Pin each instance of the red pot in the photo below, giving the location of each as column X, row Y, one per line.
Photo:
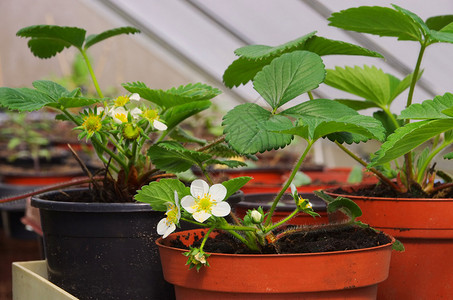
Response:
column 425, row 227
column 333, row 275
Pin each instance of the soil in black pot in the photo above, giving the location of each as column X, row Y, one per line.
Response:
column 328, row 239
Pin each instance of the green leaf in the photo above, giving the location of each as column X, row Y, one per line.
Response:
column 173, row 96
column 417, row 20
column 235, row 184
column 53, row 89
column 173, row 157
column 70, row 102
column 448, row 156
column 289, row 76
column 382, row 21
column 324, row 109
column 256, row 52
column 176, row 114
column 356, row 104
column 243, row 70
column 324, row 46
column 182, row 136
column 346, row 205
column 246, row 67
column 398, row 246
column 408, row 137
column 96, row 38
column 23, row 99
column 245, row 129
column 48, row 40
column 229, row 163
column 438, row 108
column 370, row 83
column 159, row 193
column 439, row 22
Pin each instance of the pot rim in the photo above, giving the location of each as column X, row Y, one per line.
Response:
column 318, row 204
column 160, row 244
column 40, row 202
column 330, row 191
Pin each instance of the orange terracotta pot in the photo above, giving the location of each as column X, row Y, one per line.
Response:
column 334, row 275
column 286, row 206
column 425, row 227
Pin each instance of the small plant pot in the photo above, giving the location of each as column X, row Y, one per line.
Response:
column 287, row 206
column 352, row 274
column 425, row 227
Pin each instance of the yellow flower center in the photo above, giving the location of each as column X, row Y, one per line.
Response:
column 204, row 203
column 121, row 101
column 122, row 117
column 92, row 123
column 172, row 214
column 151, row 115
column 303, row 203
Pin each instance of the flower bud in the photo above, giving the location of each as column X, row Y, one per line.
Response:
column 256, row 216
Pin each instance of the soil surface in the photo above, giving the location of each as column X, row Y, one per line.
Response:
column 339, row 238
column 383, row 190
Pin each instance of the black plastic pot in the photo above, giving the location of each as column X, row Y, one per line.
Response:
column 102, row 250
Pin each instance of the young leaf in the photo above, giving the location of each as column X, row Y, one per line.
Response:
column 438, row 108
column 96, row 38
column 356, row 175
column 408, row 137
column 289, row 76
column 348, row 206
column 173, row 96
column 48, row 40
column 159, row 193
column 235, row 184
column 382, row 21
column 245, row 129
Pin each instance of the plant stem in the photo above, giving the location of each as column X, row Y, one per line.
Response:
column 408, row 156
column 287, row 184
column 205, row 238
column 206, row 147
column 310, row 95
column 421, row 171
column 363, row 163
column 391, row 116
column 90, row 69
column 281, row 222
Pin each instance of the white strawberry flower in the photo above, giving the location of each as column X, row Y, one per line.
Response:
column 168, row 224
column 206, row 201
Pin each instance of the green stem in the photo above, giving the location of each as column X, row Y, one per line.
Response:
column 90, row 69
column 205, row 238
column 96, row 142
column 310, row 95
column 363, row 163
column 422, row 170
column 281, row 222
column 249, row 244
column 287, row 184
column 408, row 156
column 391, row 116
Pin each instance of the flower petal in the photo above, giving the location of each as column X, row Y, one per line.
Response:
column 159, row 125
column 218, row 192
column 162, row 226
column 221, row 209
column 293, row 189
column 199, row 188
column 201, row 216
column 187, row 202
column 135, row 97
column 169, row 230
column 136, row 112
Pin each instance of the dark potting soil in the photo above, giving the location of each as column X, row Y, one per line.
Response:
column 383, row 190
column 344, row 237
